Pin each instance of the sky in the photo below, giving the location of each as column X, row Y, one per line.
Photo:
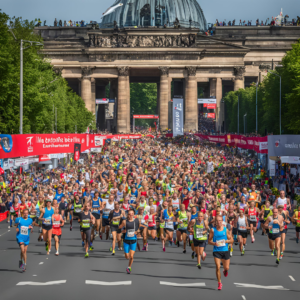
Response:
column 88, row 10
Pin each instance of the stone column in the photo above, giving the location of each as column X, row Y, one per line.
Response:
column 86, row 89
column 164, row 87
column 239, row 78
column 123, row 121
column 219, row 95
column 191, row 101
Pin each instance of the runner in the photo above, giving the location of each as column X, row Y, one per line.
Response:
column 199, row 229
column 131, row 226
column 296, row 220
column 114, row 217
column 286, row 221
column 241, row 223
column 183, row 219
column 275, row 225
column 169, row 220
column 220, row 237
column 24, row 227
column 107, row 206
column 58, row 222
column 46, row 218
column 252, row 213
column 85, row 218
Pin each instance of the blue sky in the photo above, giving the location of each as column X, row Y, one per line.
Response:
column 87, row 10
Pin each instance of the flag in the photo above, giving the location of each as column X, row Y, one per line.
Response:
column 111, row 9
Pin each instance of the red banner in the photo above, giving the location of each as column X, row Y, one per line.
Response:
column 258, row 144
column 44, row 158
column 145, row 116
column 211, row 106
column 19, row 145
column 211, row 115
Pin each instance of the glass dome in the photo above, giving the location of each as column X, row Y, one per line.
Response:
column 156, row 13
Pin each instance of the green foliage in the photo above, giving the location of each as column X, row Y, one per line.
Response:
column 42, row 88
column 268, row 100
column 143, row 101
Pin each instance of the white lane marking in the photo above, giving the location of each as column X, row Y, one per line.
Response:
column 34, row 275
column 40, row 263
column 182, row 284
column 41, row 283
column 266, row 287
column 244, row 298
column 93, row 282
column 292, row 278
column 5, row 232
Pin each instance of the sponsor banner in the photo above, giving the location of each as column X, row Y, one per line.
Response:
column 290, row 160
column 81, row 161
column 21, row 162
column 24, row 145
column 102, row 101
column 99, row 141
column 96, row 150
column 284, row 145
column 210, row 106
column 8, row 163
column 207, row 101
column 33, row 160
column 258, row 144
column 145, row 116
column 211, row 115
column 177, row 116
column 77, row 151
column 44, row 158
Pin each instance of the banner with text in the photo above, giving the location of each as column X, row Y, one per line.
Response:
column 177, row 116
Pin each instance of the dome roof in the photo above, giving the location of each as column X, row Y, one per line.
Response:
column 155, row 13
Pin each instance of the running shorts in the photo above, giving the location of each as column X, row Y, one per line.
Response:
column 105, row 222
column 222, row 255
column 243, row 234
column 129, row 245
column 47, row 227
column 273, row 236
column 200, row 244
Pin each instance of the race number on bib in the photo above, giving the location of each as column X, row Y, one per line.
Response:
column 220, row 243
column 130, row 233
column 24, row 230
column 199, row 233
column 275, row 230
column 47, row 221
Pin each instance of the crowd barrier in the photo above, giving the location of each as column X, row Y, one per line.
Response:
column 3, row 216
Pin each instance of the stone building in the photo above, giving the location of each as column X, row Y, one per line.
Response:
column 152, row 46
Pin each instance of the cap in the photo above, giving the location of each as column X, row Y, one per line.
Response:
column 48, row 200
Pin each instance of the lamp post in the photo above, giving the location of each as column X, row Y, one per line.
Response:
column 279, row 98
column 256, row 106
column 238, row 116
column 245, row 115
column 21, row 74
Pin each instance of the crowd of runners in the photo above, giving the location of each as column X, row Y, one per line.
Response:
column 179, row 192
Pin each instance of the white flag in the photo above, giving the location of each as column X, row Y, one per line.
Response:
column 111, row 9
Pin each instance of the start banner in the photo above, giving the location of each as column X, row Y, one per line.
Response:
column 23, row 145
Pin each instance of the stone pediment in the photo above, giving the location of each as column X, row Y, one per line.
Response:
column 142, row 41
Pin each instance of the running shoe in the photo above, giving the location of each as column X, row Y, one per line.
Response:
column 110, row 249
column 236, row 242
column 199, row 266
column 70, row 228
column 277, row 261
column 147, row 247
column 184, row 251
column 100, row 236
column 243, row 252
column 170, row 243
column 252, row 239
column 272, row 253
column 57, row 253
column 219, row 286
column 20, row 264
column 39, row 239
column 82, row 243
column 225, row 272
column 96, row 234
column 164, row 249
column 42, row 239
column 203, row 256
column 128, row 270
column 8, row 227
column 91, row 248
column 23, row 268
column 113, row 252
column 262, row 233
column 47, row 247
column 86, row 255
column 297, row 240
column 178, row 244
column 281, row 255
column 144, row 248
column 193, row 255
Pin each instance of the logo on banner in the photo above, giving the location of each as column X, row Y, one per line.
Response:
column 77, row 151
column 87, row 140
column 29, row 142
column 6, row 142
column 277, row 143
column 228, row 138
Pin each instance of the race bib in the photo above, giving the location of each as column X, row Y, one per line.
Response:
column 56, row 223
column 130, row 233
column 242, row 227
column 199, row 233
column 77, row 210
column 12, row 209
column 253, row 218
column 24, row 230
column 86, row 224
column 116, row 222
column 275, row 230
column 169, row 225
column 220, row 243
column 47, row 221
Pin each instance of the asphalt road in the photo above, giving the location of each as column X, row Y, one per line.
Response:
column 155, row 274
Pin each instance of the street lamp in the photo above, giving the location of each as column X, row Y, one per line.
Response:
column 256, row 106
column 279, row 99
column 21, row 75
column 223, row 102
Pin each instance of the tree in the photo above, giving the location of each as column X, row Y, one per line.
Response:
column 43, row 89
